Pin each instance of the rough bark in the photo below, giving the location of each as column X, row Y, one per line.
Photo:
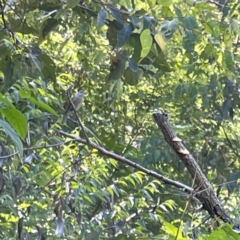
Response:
column 204, row 190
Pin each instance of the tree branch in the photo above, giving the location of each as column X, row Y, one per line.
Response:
column 2, row 6
column 35, row 148
column 204, row 191
column 129, row 162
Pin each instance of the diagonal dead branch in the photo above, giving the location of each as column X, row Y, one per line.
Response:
column 205, row 191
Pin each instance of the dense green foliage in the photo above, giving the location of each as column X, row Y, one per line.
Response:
column 131, row 57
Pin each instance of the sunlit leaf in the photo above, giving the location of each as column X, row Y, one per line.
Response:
column 17, row 120
column 40, row 104
column 173, row 231
column 160, row 41
column 146, row 42
column 151, row 3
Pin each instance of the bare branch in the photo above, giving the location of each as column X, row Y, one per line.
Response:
column 35, row 148
column 205, row 192
column 2, row 6
column 129, row 162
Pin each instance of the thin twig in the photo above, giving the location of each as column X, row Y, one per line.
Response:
column 2, row 6
column 34, row 148
column 3, row 17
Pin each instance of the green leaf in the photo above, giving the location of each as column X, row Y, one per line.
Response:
column 21, row 67
column 21, row 26
column 119, row 87
column 151, row 3
column 117, row 70
column 169, row 27
column 166, row 3
column 6, row 101
column 41, row 104
column 126, row 3
column 228, row 228
column 235, row 26
column 229, row 61
column 112, row 32
column 146, row 42
column 160, row 41
column 189, row 41
column 222, row 233
column 17, row 120
column 48, row 67
column 149, row 22
column 123, row 35
column 13, row 135
column 8, row 75
column 190, row 23
column 132, row 65
column 173, row 231
column 137, row 48
column 178, row 12
column 48, row 25
column 132, row 78
column 92, row 235
column 42, row 178
column 6, row 47
column 72, row 3
column 160, row 61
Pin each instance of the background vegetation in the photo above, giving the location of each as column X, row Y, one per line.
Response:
column 131, row 57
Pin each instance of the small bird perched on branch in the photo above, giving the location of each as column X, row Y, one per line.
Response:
column 77, row 101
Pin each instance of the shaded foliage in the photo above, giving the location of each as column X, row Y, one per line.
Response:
column 131, row 57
